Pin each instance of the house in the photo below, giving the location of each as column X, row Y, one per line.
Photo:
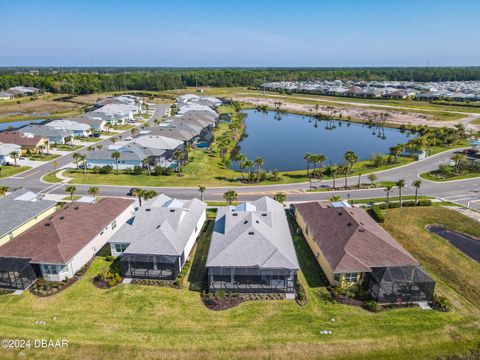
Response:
column 78, row 129
column 54, row 135
column 97, row 124
column 159, row 239
column 5, row 95
column 352, row 248
column 184, row 135
column 6, row 150
column 20, row 210
column 61, row 244
column 252, row 250
column 18, row 91
column 28, row 142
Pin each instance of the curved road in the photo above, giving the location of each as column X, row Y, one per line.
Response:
column 463, row 192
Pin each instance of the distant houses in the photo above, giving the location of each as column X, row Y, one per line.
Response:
column 20, row 91
column 252, row 250
column 54, row 135
column 62, row 243
column 77, row 129
column 157, row 242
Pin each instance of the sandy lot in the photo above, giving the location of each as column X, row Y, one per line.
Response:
column 394, row 117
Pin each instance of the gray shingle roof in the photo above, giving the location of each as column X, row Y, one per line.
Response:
column 19, row 207
column 47, row 131
column 252, row 234
column 162, row 226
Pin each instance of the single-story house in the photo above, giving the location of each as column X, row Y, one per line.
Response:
column 183, row 134
column 20, row 210
column 28, row 142
column 252, row 250
column 54, row 135
column 159, row 239
column 78, row 129
column 61, row 244
column 95, row 123
column 352, row 248
column 5, row 95
column 23, row 91
column 6, row 150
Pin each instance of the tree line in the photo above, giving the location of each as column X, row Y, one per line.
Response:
column 92, row 80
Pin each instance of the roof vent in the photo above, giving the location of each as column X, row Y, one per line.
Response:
column 234, row 214
column 47, row 224
column 251, row 233
column 264, row 214
column 158, row 227
column 245, row 222
column 148, row 209
column 258, row 222
column 62, row 217
column 349, row 224
column 172, row 210
column 361, row 230
column 76, row 208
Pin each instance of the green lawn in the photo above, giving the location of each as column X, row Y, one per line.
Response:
column 431, row 177
column 392, row 199
column 147, row 321
column 7, row 171
column 52, row 177
column 43, row 157
column 65, row 147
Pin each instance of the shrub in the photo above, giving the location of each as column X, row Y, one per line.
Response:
column 372, row 306
column 301, row 294
column 441, row 303
column 408, row 203
column 109, row 258
column 382, row 206
column 425, row 202
column 376, row 214
column 137, row 170
column 159, row 170
column 106, row 170
column 394, row 205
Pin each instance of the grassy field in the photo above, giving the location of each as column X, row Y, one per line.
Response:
column 7, row 171
column 52, row 177
column 160, row 322
column 43, row 157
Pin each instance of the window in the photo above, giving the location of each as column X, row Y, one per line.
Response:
column 120, row 248
column 337, row 276
column 50, row 269
column 350, row 277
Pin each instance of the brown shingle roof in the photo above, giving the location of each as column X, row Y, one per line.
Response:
column 351, row 240
column 60, row 237
column 19, row 138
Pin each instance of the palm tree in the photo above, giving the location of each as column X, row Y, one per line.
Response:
column 83, row 158
column 93, row 191
column 259, row 162
column 308, row 157
column 138, row 193
column 350, row 158
column 71, row 189
column 99, row 147
column 146, row 162
column 400, row 185
column 372, row 178
column 230, row 196
column 458, row 158
column 345, row 170
column 14, row 156
column 113, row 140
column 91, row 148
column 388, row 189
column 335, row 198
column 280, row 197
column 417, row 184
column 116, row 156
column 201, row 190
column 76, row 157
column 133, row 131
column 249, row 165
column 240, row 159
column 177, row 156
column 47, row 147
column 359, row 179
column 149, row 194
column 332, row 170
column 3, row 190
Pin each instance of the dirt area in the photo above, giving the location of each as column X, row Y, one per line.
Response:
column 356, row 113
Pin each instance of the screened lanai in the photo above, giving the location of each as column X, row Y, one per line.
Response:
column 16, row 273
column 251, row 280
column 141, row 266
column 400, row 284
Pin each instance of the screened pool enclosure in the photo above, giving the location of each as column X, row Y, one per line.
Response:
column 156, row 267
column 16, row 273
column 251, row 280
column 399, row 284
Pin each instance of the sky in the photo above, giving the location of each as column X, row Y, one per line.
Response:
column 245, row 33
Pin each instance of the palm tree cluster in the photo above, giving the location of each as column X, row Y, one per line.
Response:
column 143, row 194
column 225, row 142
column 230, row 196
column 253, row 168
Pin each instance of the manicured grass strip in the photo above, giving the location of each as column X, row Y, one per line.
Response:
column 52, row 177
column 430, row 177
column 7, row 171
column 43, row 157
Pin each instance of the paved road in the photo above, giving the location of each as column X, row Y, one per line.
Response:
column 462, row 192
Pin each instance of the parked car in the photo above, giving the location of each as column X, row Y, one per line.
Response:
column 94, row 135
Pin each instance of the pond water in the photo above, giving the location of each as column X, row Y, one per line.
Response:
column 18, row 124
column 466, row 244
column 282, row 140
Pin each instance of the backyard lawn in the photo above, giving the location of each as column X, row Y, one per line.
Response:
column 161, row 322
column 7, row 171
